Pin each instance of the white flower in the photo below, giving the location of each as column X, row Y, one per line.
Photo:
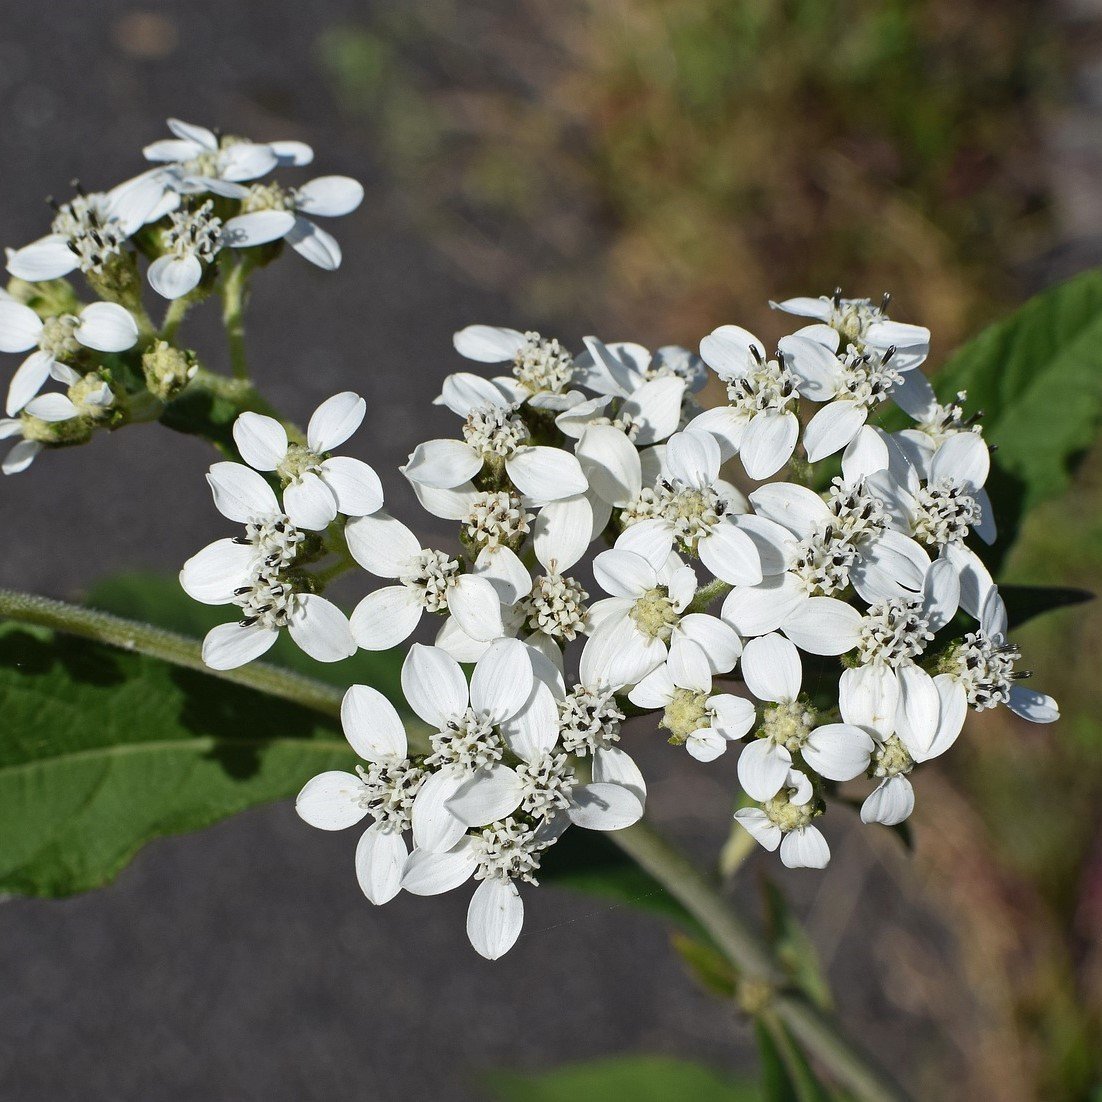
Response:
column 785, row 821
column 700, row 720
column 773, row 672
column 323, row 197
column 317, row 488
column 22, row 453
column 253, row 573
column 196, row 237
column 542, row 368
column 102, row 326
column 86, row 232
column 620, row 368
column 689, row 510
column 857, row 321
column 495, row 438
column 634, row 630
column 385, row 790
column 430, row 581
column 197, row 156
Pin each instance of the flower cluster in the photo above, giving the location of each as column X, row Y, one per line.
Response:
column 198, row 222
column 836, row 625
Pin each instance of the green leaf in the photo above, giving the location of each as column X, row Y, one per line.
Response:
column 159, row 600
column 786, row 1074
column 105, row 750
column 1037, row 376
column 793, row 947
column 712, row 969
column 622, row 1079
column 775, row 1081
column 1024, row 602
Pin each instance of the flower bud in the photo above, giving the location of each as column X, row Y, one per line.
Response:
column 167, row 369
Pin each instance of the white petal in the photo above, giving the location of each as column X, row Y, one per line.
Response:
column 173, row 277
column 756, row 610
column 486, row 796
column 838, row 751
column 824, row 625
column 20, row 326
column 48, row 258
column 765, row 832
column 354, row 485
column 335, row 420
column 656, row 690
column 106, row 327
column 446, row 504
column 916, row 718
column 1034, row 706
column 794, row 507
column 688, row 664
column 476, row 606
column 952, row 711
column 813, row 362
column 262, row 441
column 768, row 443
column 762, row 768
column 495, row 917
column 488, row 344
column 650, row 539
column 372, row 726
column 463, row 392
column 314, row 244
column 435, row 828
column 734, row 715
column 890, row 802
column 429, row 873
column 329, row 196
column 706, row 744
column 291, row 152
column 546, row 474
column 213, row 574
column 453, row 640
column 52, row 407
column 868, row 696
column 693, row 457
column 724, row 425
column 310, row 503
column 616, row 655
column 611, row 765
column 805, row 307
column 231, row 645
column 247, row 161
column 562, row 532
column 320, row 629
column 433, row 685
column 533, row 731
column 719, row 641
column 805, row 848
column 503, row 680
column 730, row 554
column 975, row 579
column 381, row 544
column 443, row 464
column 196, row 135
column 940, row 593
column 502, row 568
column 604, row 806
column 623, row 573
column 20, row 457
column 28, row 380
column 727, row 350
column 380, row 861
column 832, row 428
column 655, row 409
column 610, row 462
column 241, row 494
column 865, row 454
column 771, row 669
column 331, row 801
column 776, row 544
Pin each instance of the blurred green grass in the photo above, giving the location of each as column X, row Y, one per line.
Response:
column 661, row 166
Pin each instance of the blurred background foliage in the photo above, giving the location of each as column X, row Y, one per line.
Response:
column 668, row 165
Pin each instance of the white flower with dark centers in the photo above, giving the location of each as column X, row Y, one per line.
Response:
column 325, row 197
column 773, row 672
column 196, row 156
column 983, row 665
column 429, row 581
column 384, row 789
column 257, row 573
column 495, row 440
column 689, row 507
column 858, row 322
column 102, row 326
column 589, row 720
column 316, row 486
column 645, row 619
column 758, row 424
column 786, row 820
column 619, row 369
column 196, row 237
column 542, row 368
column 696, row 718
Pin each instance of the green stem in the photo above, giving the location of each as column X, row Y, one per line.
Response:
column 706, row 594
column 235, row 291
column 174, row 315
column 102, row 627
column 755, row 960
column 697, row 894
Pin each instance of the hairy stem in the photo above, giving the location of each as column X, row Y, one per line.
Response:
column 102, row 627
column 235, row 291
column 706, row 594
column 745, row 949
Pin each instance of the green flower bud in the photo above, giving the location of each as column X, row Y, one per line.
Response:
column 167, row 369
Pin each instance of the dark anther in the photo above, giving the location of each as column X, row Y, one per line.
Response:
column 885, row 302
